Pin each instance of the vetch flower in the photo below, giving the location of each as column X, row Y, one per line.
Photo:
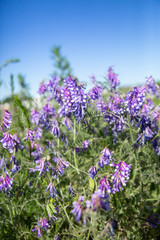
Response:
column 78, row 208
column 42, row 167
column 52, row 190
column 105, row 158
column 55, row 129
column 113, row 79
column 44, row 223
column 38, row 133
column 98, row 199
column 95, row 93
column 61, row 165
column 1, row 162
column 120, row 176
column 92, row 171
column 86, row 144
column 5, row 182
column 17, row 141
column 154, row 220
column 37, row 151
column 35, row 116
column 152, row 87
column 68, row 122
column 73, row 99
column 56, row 237
column 42, row 88
column 7, row 120
column 8, row 142
column 38, row 229
column 105, row 186
column 134, row 100
column 30, row 135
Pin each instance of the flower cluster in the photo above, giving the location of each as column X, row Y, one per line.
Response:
column 98, row 200
column 113, row 80
column 78, row 208
column 120, row 176
column 5, row 182
column 134, row 100
column 8, row 142
column 105, row 158
column 73, row 99
column 152, row 87
column 43, row 118
column 43, row 224
column 65, row 132
column 52, row 190
column 61, row 165
column 7, row 120
column 95, row 93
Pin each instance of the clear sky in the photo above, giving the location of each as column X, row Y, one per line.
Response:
column 93, row 34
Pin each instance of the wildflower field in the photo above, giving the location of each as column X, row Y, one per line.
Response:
column 81, row 165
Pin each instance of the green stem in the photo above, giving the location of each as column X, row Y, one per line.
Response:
column 74, row 139
column 75, row 232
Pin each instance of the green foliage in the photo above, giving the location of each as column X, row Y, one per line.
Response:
column 6, row 63
column 28, row 201
column 19, row 104
column 61, row 64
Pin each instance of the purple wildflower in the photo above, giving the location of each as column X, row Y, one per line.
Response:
column 52, row 190
column 92, row 171
column 146, row 135
column 95, row 93
column 152, row 87
column 93, row 79
column 105, row 186
column 52, row 83
column 61, row 165
column 70, row 190
column 44, row 223
column 100, row 200
column 74, row 99
column 105, row 158
column 68, row 123
column 154, row 220
column 56, row 237
column 17, row 141
column 30, row 136
column 46, row 113
column 15, row 168
column 38, row 133
column 134, row 100
column 42, row 88
column 113, row 80
column 37, row 152
column 35, row 116
column 78, row 208
column 1, row 162
column 42, row 167
column 7, row 120
column 86, row 144
column 147, row 107
column 120, row 176
column 8, row 142
column 5, row 182
column 38, row 229
column 55, row 129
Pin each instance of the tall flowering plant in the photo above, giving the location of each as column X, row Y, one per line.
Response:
column 81, row 165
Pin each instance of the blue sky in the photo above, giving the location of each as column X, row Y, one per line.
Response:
column 93, row 34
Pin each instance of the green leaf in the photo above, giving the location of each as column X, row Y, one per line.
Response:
column 91, row 184
column 23, row 109
column 51, row 209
